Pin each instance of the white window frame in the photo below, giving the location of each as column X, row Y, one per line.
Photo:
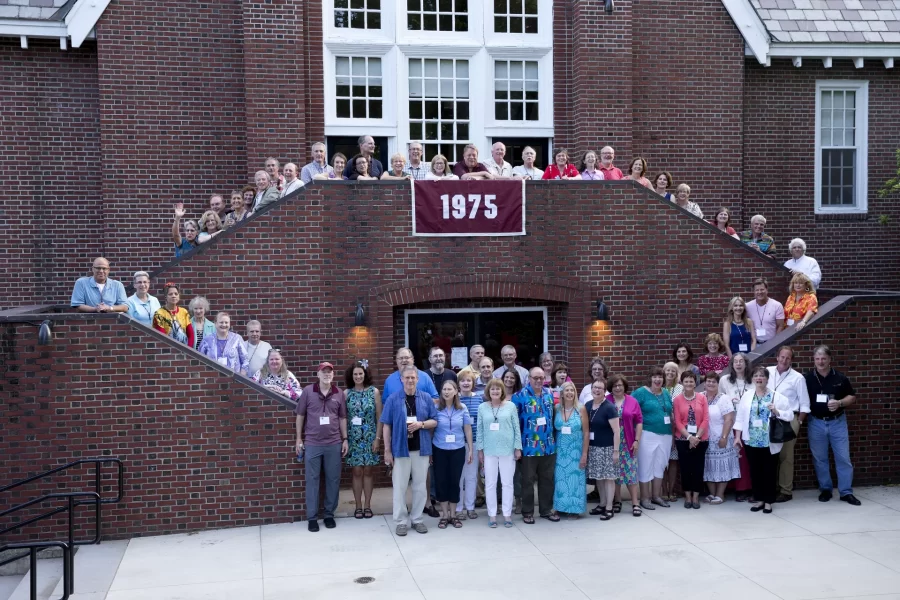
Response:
column 386, row 125
column 543, row 127
column 542, row 39
column 861, row 184
column 346, row 34
column 473, row 37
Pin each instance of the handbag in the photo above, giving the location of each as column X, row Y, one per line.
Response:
column 780, row 431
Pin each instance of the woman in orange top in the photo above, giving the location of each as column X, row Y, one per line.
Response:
column 802, row 303
column 173, row 320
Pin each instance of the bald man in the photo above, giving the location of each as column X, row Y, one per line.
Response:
column 496, row 164
column 607, row 156
column 98, row 293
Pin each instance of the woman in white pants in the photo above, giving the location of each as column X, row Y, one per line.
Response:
column 656, row 442
column 499, row 443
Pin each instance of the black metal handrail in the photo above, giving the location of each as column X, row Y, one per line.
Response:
column 35, row 547
column 72, row 502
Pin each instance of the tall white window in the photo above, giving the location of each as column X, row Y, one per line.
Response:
column 516, row 90
column 437, row 15
column 515, row 16
column 439, row 109
column 841, row 146
column 357, row 14
column 358, row 87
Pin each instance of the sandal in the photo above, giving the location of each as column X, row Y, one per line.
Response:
column 507, row 524
column 597, row 510
column 367, row 513
column 492, row 523
column 660, row 502
column 741, row 497
column 456, row 523
column 617, row 507
column 529, row 519
column 551, row 517
column 442, row 524
column 472, row 514
column 636, row 511
column 358, row 513
column 606, row 515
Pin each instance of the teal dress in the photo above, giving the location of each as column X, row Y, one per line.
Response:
column 361, row 405
column 570, row 489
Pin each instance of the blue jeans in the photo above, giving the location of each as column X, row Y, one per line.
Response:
column 831, row 433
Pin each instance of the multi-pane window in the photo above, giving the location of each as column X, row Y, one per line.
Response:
column 516, row 90
column 358, row 89
column 837, row 136
column 357, row 14
column 437, row 15
column 439, row 105
column 515, row 16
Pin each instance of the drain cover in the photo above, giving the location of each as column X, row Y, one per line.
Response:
column 364, row 580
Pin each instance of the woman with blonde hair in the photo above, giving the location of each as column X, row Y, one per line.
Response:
column 276, row 377
column 572, row 432
column 452, row 449
column 440, row 169
column 499, row 443
column 396, row 172
column 210, row 226
column 737, row 329
column 682, row 199
column 802, row 303
column 673, row 388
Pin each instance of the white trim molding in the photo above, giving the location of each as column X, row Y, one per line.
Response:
column 752, row 29
column 78, row 25
column 861, row 132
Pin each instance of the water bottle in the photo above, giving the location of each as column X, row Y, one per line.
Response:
column 300, row 456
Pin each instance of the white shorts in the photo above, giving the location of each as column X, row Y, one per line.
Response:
column 653, row 456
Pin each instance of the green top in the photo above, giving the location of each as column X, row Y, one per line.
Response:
column 655, row 409
column 503, row 441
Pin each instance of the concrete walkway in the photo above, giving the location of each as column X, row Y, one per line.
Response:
column 806, row 550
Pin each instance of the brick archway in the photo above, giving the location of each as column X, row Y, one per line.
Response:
column 383, row 299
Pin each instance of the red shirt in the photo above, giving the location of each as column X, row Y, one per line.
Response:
column 611, row 172
column 460, row 169
column 552, row 172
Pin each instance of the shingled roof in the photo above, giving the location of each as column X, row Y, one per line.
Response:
column 831, row 21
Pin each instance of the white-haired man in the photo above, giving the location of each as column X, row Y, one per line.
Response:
column 757, row 239
column 801, row 263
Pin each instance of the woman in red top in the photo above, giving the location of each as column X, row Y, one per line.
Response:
column 723, row 222
column 561, row 169
column 716, row 360
column 691, row 437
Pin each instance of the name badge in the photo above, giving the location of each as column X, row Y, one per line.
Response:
column 410, row 420
column 760, row 333
column 757, row 423
column 324, row 420
column 743, row 348
column 821, row 397
column 451, row 438
column 541, row 421
column 667, row 420
column 222, row 361
column 692, row 429
column 790, row 322
column 592, row 435
column 495, row 426
column 567, row 430
column 356, row 420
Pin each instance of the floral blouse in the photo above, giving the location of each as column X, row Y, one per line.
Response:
column 708, row 363
column 795, row 310
column 289, row 383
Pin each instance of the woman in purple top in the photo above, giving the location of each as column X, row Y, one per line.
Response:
column 226, row 347
column 631, row 424
column 590, row 166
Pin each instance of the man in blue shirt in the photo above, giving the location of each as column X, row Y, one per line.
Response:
column 535, row 406
column 99, row 293
column 404, row 358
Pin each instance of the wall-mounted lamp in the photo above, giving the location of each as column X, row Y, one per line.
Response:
column 609, row 7
column 602, row 311
column 45, row 333
column 360, row 320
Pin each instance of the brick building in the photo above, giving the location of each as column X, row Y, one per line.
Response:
column 113, row 110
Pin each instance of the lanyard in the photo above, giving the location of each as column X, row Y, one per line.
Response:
column 594, row 411
column 762, row 321
column 496, row 412
column 758, row 401
column 742, row 329
column 783, row 379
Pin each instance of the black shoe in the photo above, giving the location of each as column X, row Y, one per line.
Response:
column 851, row 499
column 480, row 503
column 432, row 511
column 329, row 523
column 824, row 496
column 313, row 525
column 594, row 496
column 767, row 511
column 784, row 498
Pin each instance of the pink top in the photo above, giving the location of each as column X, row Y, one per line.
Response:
column 701, row 415
column 631, row 418
column 643, row 181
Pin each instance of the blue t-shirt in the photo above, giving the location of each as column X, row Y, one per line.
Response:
column 450, row 423
column 394, row 384
column 184, row 248
column 87, row 293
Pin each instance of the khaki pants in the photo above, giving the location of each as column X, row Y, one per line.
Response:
column 786, row 463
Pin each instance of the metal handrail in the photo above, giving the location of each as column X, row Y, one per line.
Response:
column 72, row 502
column 35, row 547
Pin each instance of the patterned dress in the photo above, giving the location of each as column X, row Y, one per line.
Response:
column 674, row 391
column 627, row 462
column 361, row 406
column 570, row 489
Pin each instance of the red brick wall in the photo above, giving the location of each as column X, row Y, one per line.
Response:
column 688, row 98
column 49, row 169
column 779, row 155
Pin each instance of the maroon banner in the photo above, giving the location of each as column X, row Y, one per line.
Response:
column 468, row 208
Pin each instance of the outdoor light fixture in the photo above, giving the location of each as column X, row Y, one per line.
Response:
column 609, row 7
column 602, row 311
column 360, row 320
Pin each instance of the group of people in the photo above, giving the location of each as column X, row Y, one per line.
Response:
column 273, row 182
